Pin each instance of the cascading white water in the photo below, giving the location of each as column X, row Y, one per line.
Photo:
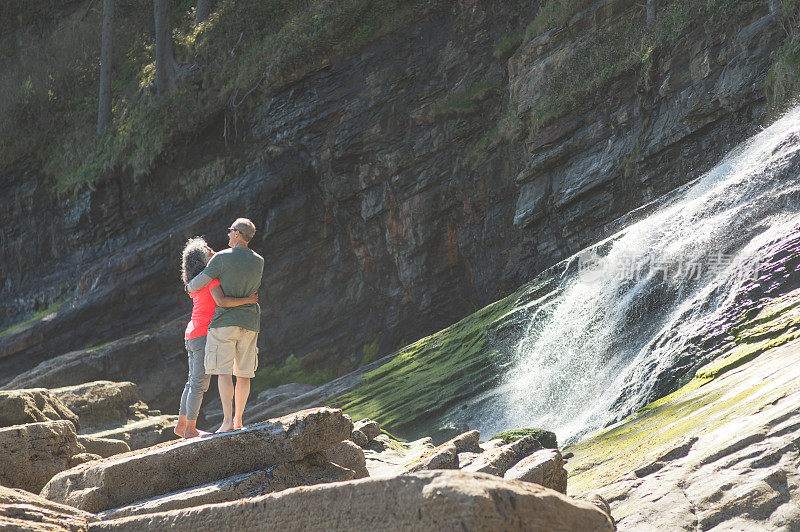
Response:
column 636, row 310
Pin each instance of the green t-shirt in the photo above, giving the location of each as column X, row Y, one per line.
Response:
column 239, row 272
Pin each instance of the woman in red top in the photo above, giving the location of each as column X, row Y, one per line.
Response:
column 195, row 256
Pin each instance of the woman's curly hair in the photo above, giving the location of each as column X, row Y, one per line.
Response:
column 196, row 255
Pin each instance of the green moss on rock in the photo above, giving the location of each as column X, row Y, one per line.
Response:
column 545, row 437
column 431, row 374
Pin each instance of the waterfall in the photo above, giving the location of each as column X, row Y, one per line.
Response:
column 635, row 315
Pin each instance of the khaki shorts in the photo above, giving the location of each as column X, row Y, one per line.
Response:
column 231, row 351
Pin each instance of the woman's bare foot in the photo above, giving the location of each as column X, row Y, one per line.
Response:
column 226, row 426
column 180, row 428
column 191, row 433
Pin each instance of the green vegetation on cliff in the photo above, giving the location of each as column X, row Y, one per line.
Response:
column 783, row 79
column 606, row 53
column 48, row 98
column 35, row 317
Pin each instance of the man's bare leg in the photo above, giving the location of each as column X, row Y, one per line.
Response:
column 225, row 384
column 241, row 395
column 180, row 428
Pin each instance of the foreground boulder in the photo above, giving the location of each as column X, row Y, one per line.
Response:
column 18, row 407
column 33, row 453
column 429, row 500
column 313, row 469
column 21, row 510
column 174, row 466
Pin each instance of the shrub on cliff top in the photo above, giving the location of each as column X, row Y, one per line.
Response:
column 245, row 48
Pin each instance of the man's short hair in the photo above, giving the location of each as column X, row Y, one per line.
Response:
column 245, row 227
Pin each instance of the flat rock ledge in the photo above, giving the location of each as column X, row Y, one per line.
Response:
column 313, row 469
column 428, row 500
column 169, row 467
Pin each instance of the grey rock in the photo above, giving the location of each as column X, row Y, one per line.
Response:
column 443, row 457
column 102, row 403
column 544, row 467
column 104, row 447
column 359, row 438
column 18, row 407
column 498, row 460
column 386, row 456
column 467, row 442
column 21, row 510
column 82, row 458
column 348, row 454
column 370, row 428
column 144, row 433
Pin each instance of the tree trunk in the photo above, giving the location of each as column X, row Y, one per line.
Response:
column 202, row 11
column 650, row 10
column 165, row 60
column 104, row 105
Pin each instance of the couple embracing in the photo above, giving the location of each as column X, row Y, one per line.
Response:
column 222, row 333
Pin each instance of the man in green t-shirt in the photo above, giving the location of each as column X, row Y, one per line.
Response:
column 233, row 332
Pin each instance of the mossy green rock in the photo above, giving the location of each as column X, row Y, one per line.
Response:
column 545, row 437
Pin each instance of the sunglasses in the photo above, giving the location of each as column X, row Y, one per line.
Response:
column 233, row 229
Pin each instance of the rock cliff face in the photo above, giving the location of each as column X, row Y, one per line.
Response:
column 375, row 222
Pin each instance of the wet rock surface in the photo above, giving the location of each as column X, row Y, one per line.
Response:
column 724, row 455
